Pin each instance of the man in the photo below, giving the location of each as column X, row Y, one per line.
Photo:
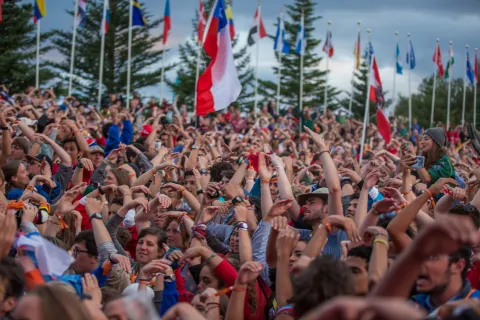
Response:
column 357, row 260
column 19, row 149
column 96, row 155
column 85, row 253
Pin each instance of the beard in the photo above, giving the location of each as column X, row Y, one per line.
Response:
column 313, row 217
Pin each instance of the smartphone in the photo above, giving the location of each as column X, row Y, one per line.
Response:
column 158, row 145
column 420, row 162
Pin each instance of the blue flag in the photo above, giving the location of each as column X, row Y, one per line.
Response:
column 281, row 44
column 470, row 72
column 411, row 56
column 399, row 65
column 301, row 39
column 369, row 53
column 137, row 16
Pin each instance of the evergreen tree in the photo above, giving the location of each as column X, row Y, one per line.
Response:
column 314, row 78
column 18, row 42
column 184, row 84
column 145, row 70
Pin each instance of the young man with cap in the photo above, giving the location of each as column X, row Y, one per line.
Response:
column 97, row 154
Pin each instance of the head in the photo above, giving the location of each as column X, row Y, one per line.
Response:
column 466, row 209
column 357, row 261
column 12, row 283
column 96, row 155
column 150, row 245
column 50, row 302
column 234, row 241
column 442, row 271
column 35, row 164
column 16, row 173
column 189, row 182
column 177, row 234
column 324, row 279
column 315, row 208
column 71, row 146
column 208, row 279
column 19, row 148
column 116, row 309
column 84, row 250
column 273, row 188
column 433, row 137
column 117, row 177
column 64, row 132
column 297, row 252
column 352, row 206
column 218, row 169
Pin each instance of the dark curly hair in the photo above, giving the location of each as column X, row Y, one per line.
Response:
column 466, row 209
column 324, row 279
column 217, row 170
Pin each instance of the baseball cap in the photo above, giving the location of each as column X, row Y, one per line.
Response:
column 98, row 149
column 146, row 130
column 319, row 193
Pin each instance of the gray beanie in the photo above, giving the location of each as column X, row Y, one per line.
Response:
column 438, row 135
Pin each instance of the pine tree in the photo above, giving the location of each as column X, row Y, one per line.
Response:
column 314, row 78
column 360, row 82
column 144, row 66
column 18, row 43
column 184, row 85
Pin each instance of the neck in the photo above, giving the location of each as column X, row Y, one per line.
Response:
column 316, row 224
column 442, row 297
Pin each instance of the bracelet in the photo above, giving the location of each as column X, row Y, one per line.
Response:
column 132, row 175
column 31, row 188
column 143, row 282
column 249, row 180
column 403, row 205
column 327, row 226
column 100, row 191
column 265, row 181
column 360, row 184
column 381, row 241
column 210, row 258
column 213, row 303
column 322, row 152
column 228, row 290
column 147, row 280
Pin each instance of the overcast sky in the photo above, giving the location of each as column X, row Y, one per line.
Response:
column 426, row 20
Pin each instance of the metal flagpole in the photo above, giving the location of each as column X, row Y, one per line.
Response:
column 367, row 102
column 395, row 71
column 325, row 93
column 464, row 89
column 102, row 53
column 129, row 58
column 163, row 74
column 72, row 52
column 449, row 84
column 475, row 91
column 256, row 65
column 302, row 52
column 354, row 68
column 432, row 112
column 37, row 67
column 197, row 72
column 409, row 86
column 280, row 52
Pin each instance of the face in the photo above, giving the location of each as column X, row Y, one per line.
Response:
column 297, row 252
column 6, row 304
column 110, row 179
column 17, row 153
column 72, row 150
column 174, row 236
column 437, row 273
column 115, row 310
column 189, row 184
column 96, row 158
column 28, row 308
column 199, row 305
column 207, row 280
column 84, row 263
column 64, row 132
column 426, row 144
column 273, row 190
column 234, row 242
column 21, row 178
column 314, row 209
column 34, row 168
column 350, row 213
column 160, row 218
column 359, row 268
column 147, row 249
column 164, row 139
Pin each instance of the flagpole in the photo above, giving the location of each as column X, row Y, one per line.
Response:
column 449, row 84
column 102, row 53
column 163, row 74
column 280, row 52
column 302, row 52
column 367, row 102
column 37, row 67
column 395, row 71
column 434, row 83
column 353, row 72
column 72, row 52
column 257, row 60
column 325, row 94
column 409, row 86
column 475, row 90
column 129, row 53
column 464, row 88
column 197, row 71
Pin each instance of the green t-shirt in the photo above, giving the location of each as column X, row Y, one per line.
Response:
column 442, row 168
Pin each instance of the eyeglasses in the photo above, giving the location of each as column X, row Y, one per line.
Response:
column 76, row 251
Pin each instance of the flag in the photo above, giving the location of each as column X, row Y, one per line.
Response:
column 450, row 63
column 281, row 44
column 201, row 22
column 301, row 43
column 167, row 23
column 470, row 72
column 369, row 53
column 231, row 26
column 1, row 14
column 39, row 11
column 411, row 56
column 476, row 66
column 437, row 58
column 81, row 14
column 105, row 19
column 357, row 52
column 219, row 85
column 328, row 45
column 137, row 16
column 399, row 65
column 254, row 35
column 376, row 95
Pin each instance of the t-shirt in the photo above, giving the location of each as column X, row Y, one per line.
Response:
column 442, row 168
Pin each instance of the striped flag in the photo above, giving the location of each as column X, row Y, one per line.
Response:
column 328, row 45
column 82, row 13
column 105, row 19
column 437, row 58
column 280, row 44
column 254, row 34
column 399, row 62
column 167, row 23
column 301, row 43
column 470, row 71
column 201, row 22
column 376, row 95
column 450, row 63
column 39, row 10
column 231, row 26
column 356, row 52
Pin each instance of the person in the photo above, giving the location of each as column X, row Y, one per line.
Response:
column 13, row 285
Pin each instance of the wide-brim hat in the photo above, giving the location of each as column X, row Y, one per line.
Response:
column 319, row 193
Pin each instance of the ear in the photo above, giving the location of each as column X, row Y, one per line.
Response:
column 458, row 267
column 9, row 304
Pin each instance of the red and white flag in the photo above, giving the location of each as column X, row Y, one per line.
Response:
column 219, row 85
column 1, row 13
column 201, row 22
column 257, row 31
column 376, row 95
column 437, row 58
column 328, row 45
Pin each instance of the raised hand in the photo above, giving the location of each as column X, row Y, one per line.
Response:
column 279, row 208
column 279, row 224
column 264, row 171
column 385, row 206
column 287, row 241
column 317, row 139
column 208, row 213
column 439, row 186
column 346, row 224
column 87, row 164
column 90, row 286
column 122, row 261
column 371, row 179
column 394, row 194
column 249, row 272
column 164, row 201
column 371, row 232
column 156, row 266
column 93, row 205
column 140, row 189
column 8, row 227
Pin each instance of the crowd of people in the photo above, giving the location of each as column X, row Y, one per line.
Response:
column 144, row 212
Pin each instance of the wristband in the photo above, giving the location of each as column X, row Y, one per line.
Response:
column 228, row 290
column 242, row 225
column 210, row 258
column 381, row 241
column 327, row 226
column 264, row 181
column 322, row 152
column 200, row 191
column 4, row 128
column 100, row 191
column 360, row 184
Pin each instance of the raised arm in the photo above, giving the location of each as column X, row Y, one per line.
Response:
column 6, row 140
column 61, row 153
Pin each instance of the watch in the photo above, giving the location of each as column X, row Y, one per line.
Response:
column 203, row 171
column 96, row 216
column 100, row 191
column 169, row 278
column 195, row 147
column 237, row 200
column 79, row 165
column 242, row 225
column 200, row 191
